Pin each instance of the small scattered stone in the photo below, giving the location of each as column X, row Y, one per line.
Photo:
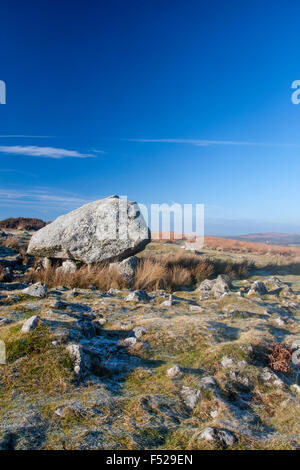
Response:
column 191, row 396
column 242, row 364
column 226, row 362
column 82, row 362
column 266, row 375
column 270, row 378
column 196, row 308
column 67, row 411
column 279, row 321
column 174, row 372
column 286, row 291
column 73, row 293
column 138, row 296
column 113, row 291
column 139, row 331
column 46, row 263
column 4, row 321
column 36, row 290
column 208, row 382
column 169, row 302
column 258, row 288
column 30, row 324
column 215, row 288
column 130, row 342
column 224, row 437
column 295, row 388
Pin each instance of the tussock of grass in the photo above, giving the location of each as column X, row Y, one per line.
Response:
column 154, row 274
column 150, row 275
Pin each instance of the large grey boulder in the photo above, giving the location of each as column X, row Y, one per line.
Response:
column 109, row 229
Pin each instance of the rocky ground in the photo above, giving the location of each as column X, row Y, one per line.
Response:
column 134, row 370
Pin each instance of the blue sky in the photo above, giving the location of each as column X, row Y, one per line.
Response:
column 161, row 101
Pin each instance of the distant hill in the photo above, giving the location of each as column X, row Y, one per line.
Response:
column 271, row 238
column 243, row 246
column 231, row 244
column 22, row 223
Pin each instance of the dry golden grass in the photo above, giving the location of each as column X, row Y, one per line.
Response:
column 101, row 277
column 161, row 274
column 195, row 269
column 150, row 275
column 168, row 272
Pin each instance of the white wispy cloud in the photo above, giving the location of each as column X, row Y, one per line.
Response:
column 46, row 198
column 203, row 142
column 45, row 152
column 97, row 151
column 10, row 170
column 23, row 136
